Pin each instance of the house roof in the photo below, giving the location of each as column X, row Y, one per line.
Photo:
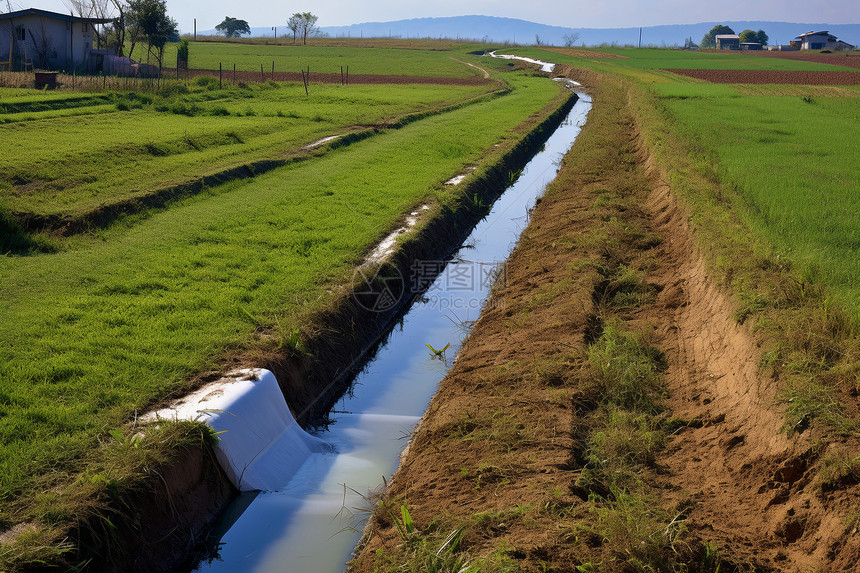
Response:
column 824, row 33
column 727, row 37
column 54, row 15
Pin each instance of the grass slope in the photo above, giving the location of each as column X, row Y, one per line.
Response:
column 94, row 334
column 106, row 148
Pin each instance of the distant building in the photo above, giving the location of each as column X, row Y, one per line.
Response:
column 46, row 40
column 751, row 46
column 728, row 41
column 822, row 41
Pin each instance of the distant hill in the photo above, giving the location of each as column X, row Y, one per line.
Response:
column 501, row 30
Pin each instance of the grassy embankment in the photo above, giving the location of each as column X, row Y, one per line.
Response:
column 108, row 148
column 105, row 328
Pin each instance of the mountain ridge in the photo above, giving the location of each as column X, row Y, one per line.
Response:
column 493, row 29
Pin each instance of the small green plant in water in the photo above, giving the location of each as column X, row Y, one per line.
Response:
column 440, row 354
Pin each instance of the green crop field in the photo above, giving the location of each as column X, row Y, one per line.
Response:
column 105, row 148
column 109, row 325
column 790, row 151
column 328, row 60
column 794, row 160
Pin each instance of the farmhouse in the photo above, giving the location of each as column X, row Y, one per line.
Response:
column 822, row 41
column 46, row 40
column 728, row 41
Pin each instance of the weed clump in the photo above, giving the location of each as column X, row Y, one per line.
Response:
column 627, row 370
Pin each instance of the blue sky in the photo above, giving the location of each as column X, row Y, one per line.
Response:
column 569, row 13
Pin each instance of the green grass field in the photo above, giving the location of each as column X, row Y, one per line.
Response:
column 105, row 148
column 327, row 60
column 790, row 151
column 110, row 325
column 794, row 161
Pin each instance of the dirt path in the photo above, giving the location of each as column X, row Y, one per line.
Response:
column 502, row 448
column 479, row 68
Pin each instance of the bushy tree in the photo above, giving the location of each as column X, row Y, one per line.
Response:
column 294, row 23
column 233, row 27
column 302, row 24
column 151, row 22
column 709, row 39
column 750, row 36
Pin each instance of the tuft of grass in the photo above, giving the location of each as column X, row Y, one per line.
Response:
column 434, row 549
column 838, row 470
column 628, row 369
column 639, row 532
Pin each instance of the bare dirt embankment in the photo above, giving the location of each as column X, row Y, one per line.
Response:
column 507, row 443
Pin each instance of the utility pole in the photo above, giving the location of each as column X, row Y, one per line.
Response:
column 275, row 30
column 640, row 37
column 195, row 29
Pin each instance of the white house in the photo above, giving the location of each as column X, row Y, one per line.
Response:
column 727, row 41
column 822, row 41
column 46, row 40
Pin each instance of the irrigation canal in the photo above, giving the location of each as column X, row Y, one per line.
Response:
column 309, row 516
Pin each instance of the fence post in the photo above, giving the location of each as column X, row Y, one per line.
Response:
column 234, row 74
column 262, row 73
column 341, row 75
column 273, row 69
column 220, row 76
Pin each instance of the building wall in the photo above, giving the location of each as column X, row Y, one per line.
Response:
column 48, row 42
column 728, row 44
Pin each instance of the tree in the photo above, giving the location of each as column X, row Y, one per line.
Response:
column 294, row 24
column 151, row 22
column 570, row 39
column 748, row 36
column 303, row 24
column 709, row 39
column 233, row 27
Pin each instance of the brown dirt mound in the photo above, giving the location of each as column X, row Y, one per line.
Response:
column 772, row 77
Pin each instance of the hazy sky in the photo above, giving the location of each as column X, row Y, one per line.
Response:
column 570, row 13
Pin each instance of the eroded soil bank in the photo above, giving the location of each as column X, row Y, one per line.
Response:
column 522, row 453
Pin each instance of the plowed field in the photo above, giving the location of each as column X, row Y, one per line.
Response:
column 773, row 77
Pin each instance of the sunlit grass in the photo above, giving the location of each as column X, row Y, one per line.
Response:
column 134, row 144
column 793, row 159
column 99, row 331
column 290, row 58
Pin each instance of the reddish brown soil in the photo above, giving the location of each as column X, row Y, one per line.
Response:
column 773, row 77
column 584, row 53
column 848, row 60
column 498, row 447
column 267, row 75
